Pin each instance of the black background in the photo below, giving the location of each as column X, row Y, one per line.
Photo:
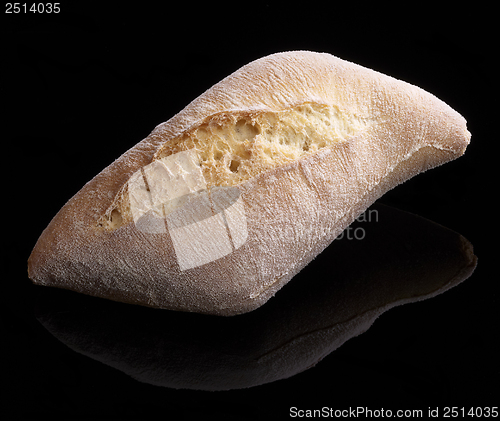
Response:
column 81, row 87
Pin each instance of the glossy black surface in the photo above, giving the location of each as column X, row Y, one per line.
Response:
column 81, row 88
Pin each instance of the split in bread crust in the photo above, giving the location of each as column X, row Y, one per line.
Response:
column 230, row 148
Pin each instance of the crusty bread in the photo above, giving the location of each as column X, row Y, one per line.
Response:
column 223, row 204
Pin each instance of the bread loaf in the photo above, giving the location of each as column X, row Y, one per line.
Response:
column 220, row 206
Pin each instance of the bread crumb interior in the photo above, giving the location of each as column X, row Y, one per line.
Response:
column 235, row 146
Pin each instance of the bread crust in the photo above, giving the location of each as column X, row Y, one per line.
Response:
column 291, row 212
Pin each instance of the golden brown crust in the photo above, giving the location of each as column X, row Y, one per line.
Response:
column 276, row 221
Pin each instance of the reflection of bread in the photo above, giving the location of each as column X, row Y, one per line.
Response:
column 309, row 141
column 306, row 321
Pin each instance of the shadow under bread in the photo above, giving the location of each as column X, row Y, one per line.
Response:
column 395, row 258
